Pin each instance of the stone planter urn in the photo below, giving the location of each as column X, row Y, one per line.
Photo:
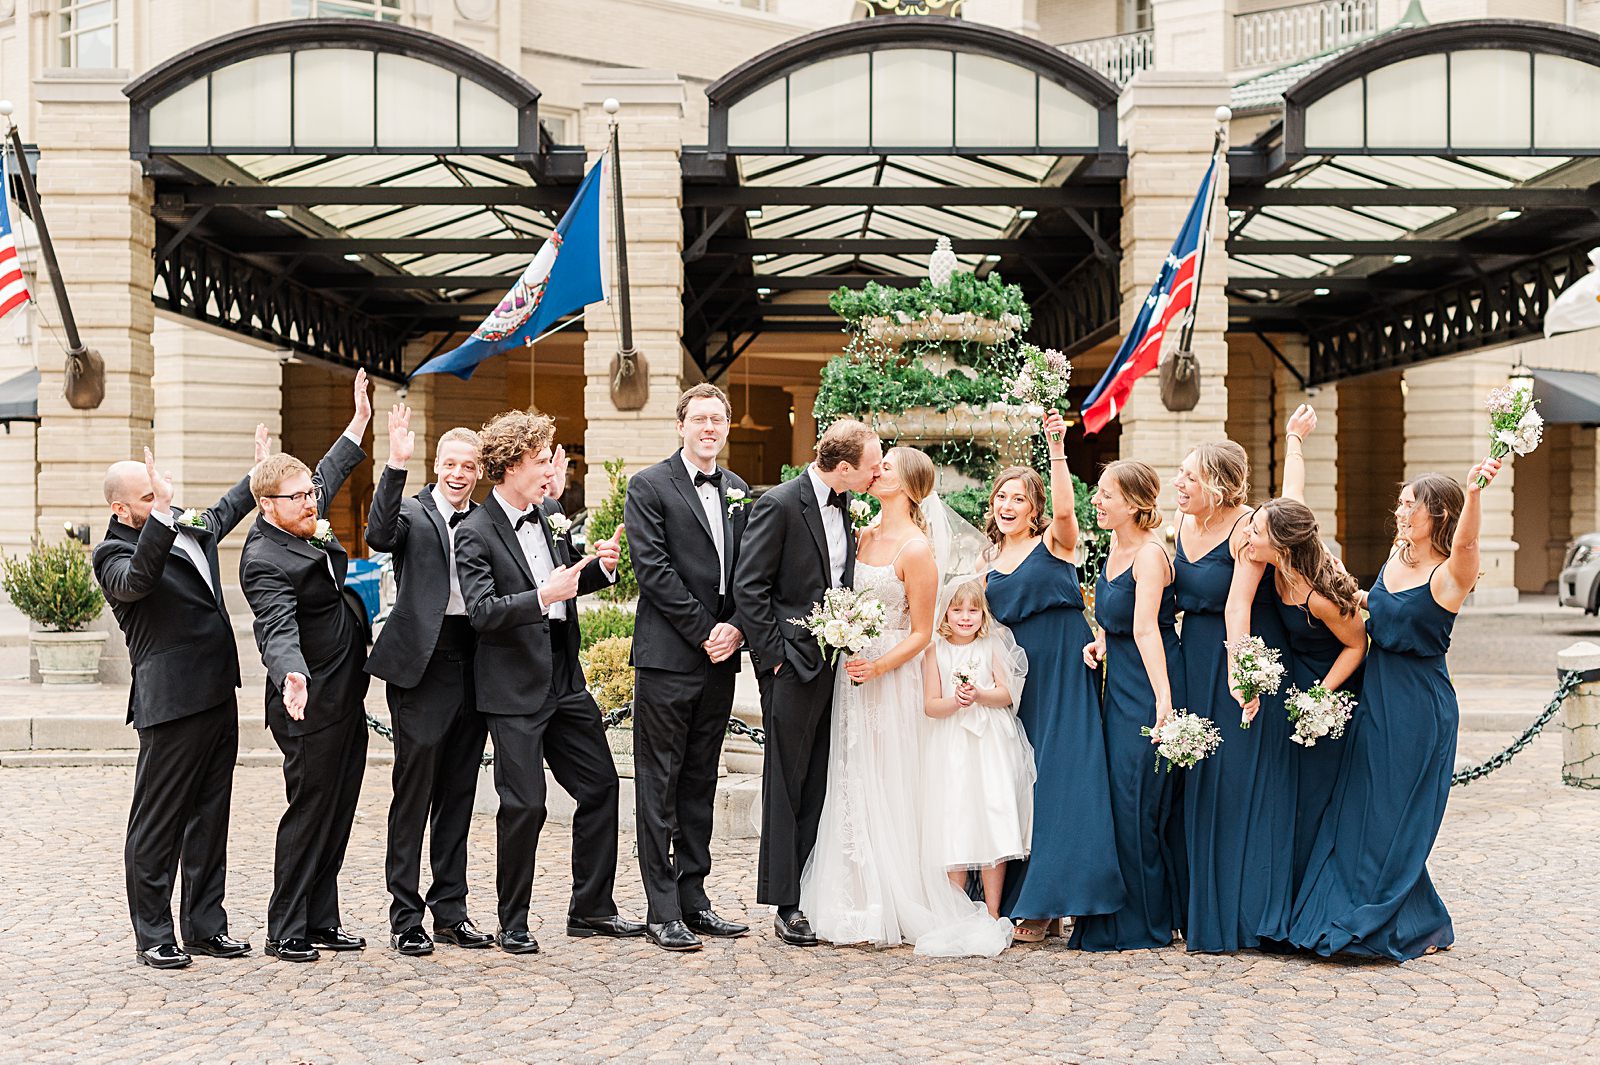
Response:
column 620, row 740
column 68, row 657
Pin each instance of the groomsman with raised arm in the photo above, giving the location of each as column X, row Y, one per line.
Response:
column 315, row 652
column 684, row 516
column 520, row 577
column 425, row 655
column 159, row 572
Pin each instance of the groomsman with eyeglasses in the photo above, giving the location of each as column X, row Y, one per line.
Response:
column 425, row 654
column 315, row 652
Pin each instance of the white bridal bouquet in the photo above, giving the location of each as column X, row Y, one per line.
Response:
column 1319, row 713
column 1513, row 423
column 1253, row 669
column 1184, row 739
column 845, row 620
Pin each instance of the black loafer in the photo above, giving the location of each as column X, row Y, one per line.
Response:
column 218, row 946
column 164, row 956
column 412, row 942
column 613, row 927
column 292, row 950
column 336, row 939
column 796, row 931
column 674, row 935
column 517, row 943
column 707, row 923
column 463, row 934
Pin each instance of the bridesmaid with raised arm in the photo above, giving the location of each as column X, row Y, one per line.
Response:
column 1138, row 644
column 1033, row 589
column 1366, row 889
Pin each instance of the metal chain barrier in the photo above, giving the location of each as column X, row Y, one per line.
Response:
column 1569, row 682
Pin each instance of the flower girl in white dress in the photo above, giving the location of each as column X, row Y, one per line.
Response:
column 978, row 770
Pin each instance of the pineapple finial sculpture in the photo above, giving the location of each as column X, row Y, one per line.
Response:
column 942, row 263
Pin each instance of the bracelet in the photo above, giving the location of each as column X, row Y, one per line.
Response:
column 1058, row 458
column 1296, row 438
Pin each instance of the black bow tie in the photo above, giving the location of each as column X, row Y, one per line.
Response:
column 701, row 478
column 840, row 500
column 530, row 516
column 457, row 518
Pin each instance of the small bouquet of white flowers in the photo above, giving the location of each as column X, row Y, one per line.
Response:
column 1042, row 378
column 860, row 513
column 1319, row 713
column 323, row 533
column 845, row 620
column 1514, row 425
column 961, row 676
column 1253, row 669
column 1183, row 739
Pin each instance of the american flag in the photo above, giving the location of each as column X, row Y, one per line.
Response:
column 1172, row 295
column 13, row 290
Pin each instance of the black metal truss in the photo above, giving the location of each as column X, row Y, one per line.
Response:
column 1081, row 309
column 212, row 285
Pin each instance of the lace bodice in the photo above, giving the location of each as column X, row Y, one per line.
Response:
column 881, row 583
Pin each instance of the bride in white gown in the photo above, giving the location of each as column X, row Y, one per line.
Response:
column 867, row 880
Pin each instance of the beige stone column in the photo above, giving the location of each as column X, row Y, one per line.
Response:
column 1370, row 443
column 1585, row 481
column 1193, row 34
column 803, row 433
column 1321, row 450
column 1252, row 394
column 385, row 394
column 651, row 139
column 1446, row 431
column 1167, row 123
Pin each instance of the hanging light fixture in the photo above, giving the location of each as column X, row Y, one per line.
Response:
column 748, row 421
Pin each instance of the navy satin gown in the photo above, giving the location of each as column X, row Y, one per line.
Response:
column 1366, row 889
column 1073, row 867
column 1149, row 852
column 1312, row 650
column 1239, row 803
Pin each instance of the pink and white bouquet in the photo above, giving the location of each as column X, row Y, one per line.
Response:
column 1042, row 378
column 846, row 620
column 1183, row 739
column 1514, row 425
column 1253, row 669
column 1319, row 714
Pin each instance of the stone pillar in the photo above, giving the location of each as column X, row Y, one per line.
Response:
column 1167, row 123
column 1446, row 431
column 1580, row 714
column 1252, row 413
column 1371, row 465
column 1585, row 480
column 1321, row 450
column 651, row 139
column 1192, row 34
column 803, row 434
column 385, row 394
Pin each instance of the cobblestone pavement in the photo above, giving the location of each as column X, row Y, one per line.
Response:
column 1517, row 863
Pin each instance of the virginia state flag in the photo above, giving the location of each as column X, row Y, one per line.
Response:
column 1171, row 295
column 567, row 275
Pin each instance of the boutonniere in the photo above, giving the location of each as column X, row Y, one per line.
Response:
column 737, row 499
column 559, row 524
column 322, row 535
column 860, row 513
column 192, row 518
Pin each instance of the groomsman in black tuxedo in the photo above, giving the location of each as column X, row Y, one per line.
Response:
column 425, row 654
column 315, row 652
column 520, row 577
column 684, row 516
column 159, row 573
column 797, row 545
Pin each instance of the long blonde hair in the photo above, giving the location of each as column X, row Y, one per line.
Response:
column 1224, row 473
column 916, row 474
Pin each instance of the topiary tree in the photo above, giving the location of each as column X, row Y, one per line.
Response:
column 603, row 521
column 608, row 672
column 53, row 586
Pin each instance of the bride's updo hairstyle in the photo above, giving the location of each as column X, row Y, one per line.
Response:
column 1139, row 484
column 1224, row 473
column 916, row 474
column 1032, row 487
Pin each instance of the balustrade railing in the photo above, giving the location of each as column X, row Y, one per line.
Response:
column 1283, row 35
column 1119, row 57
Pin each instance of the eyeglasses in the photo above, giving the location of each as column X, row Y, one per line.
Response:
column 299, row 498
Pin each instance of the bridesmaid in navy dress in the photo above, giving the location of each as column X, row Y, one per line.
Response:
column 1239, row 802
column 1366, row 889
column 1138, row 644
column 1033, row 589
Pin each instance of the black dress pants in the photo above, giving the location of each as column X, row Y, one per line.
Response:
column 438, row 748
column 182, row 796
column 679, row 720
column 794, row 778
column 322, row 780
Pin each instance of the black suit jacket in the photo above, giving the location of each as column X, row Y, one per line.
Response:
column 675, row 560
column 303, row 624
column 784, row 571
column 417, row 535
column 513, row 666
column 177, row 629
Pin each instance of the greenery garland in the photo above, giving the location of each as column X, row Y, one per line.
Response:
column 964, row 293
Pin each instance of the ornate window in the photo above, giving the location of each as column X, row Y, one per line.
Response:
column 88, row 32
column 382, row 10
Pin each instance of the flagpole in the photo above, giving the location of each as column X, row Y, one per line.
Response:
column 630, row 381
column 1186, row 334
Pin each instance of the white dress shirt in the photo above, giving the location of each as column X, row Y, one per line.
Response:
column 186, row 545
column 455, row 605
column 832, row 524
column 535, row 551
column 711, row 501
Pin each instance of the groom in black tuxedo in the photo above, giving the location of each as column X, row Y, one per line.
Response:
column 159, row 573
column 315, row 652
column 684, row 517
column 798, row 544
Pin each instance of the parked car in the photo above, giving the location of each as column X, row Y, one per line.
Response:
column 1580, row 574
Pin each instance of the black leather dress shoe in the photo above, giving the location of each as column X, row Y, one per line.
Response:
column 796, row 931
column 707, row 923
column 336, row 939
column 412, row 942
column 517, row 943
column 164, row 956
column 292, row 950
column 463, row 934
column 613, row 927
column 218, row 946
column 674, row 935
